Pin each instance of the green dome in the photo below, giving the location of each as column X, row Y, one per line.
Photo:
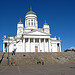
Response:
column 30, row 12
column 20, row 22
column 45, row 23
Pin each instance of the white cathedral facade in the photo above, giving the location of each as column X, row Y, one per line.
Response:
column 31, row 38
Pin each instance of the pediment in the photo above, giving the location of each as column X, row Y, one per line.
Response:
column 37, row 33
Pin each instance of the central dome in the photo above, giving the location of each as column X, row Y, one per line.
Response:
column 30, row 12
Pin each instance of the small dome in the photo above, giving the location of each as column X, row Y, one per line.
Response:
column 20, row 22
column 30, row 12
column 45, row 23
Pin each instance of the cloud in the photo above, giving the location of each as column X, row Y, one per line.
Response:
column 72, row 48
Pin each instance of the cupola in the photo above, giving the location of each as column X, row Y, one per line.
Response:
column 31, row 12
column 31, row 20
column 46, row 27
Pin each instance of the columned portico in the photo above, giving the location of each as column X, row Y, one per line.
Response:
column 32, row 44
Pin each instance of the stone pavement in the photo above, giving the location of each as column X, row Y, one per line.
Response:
column 56, row 69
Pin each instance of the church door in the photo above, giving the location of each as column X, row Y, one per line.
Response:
column 36, row 48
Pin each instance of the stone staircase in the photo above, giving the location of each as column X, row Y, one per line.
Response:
column 33, row 58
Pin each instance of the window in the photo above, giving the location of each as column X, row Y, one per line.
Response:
column 31, row 22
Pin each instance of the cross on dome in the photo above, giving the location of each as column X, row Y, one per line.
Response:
column 30, row 8
column 20, row 19
column 20, row 22
column 45, row 23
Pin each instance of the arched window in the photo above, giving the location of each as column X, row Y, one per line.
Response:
column 31, row 22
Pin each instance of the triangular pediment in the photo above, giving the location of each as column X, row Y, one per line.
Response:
column 36, row 32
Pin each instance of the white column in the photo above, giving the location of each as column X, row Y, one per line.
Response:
column 44, row 45
column 24, row 45
column 60, row 47
column 39, row 43
column 29, row 45
column 3, row 47
column 34, row 44
column 49, row 50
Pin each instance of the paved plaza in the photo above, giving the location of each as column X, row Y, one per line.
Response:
column 38, row 70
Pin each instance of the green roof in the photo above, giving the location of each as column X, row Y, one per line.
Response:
column 20, row 22
column 45, row 23
column 31, row 12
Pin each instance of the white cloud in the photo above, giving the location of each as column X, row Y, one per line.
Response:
column 72, row 48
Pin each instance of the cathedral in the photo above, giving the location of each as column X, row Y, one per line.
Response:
column 30, row 38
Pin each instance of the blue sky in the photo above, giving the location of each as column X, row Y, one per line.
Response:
column 59, row 14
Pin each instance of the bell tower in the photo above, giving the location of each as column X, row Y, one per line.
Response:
column 19, row 28
column 46, row 28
